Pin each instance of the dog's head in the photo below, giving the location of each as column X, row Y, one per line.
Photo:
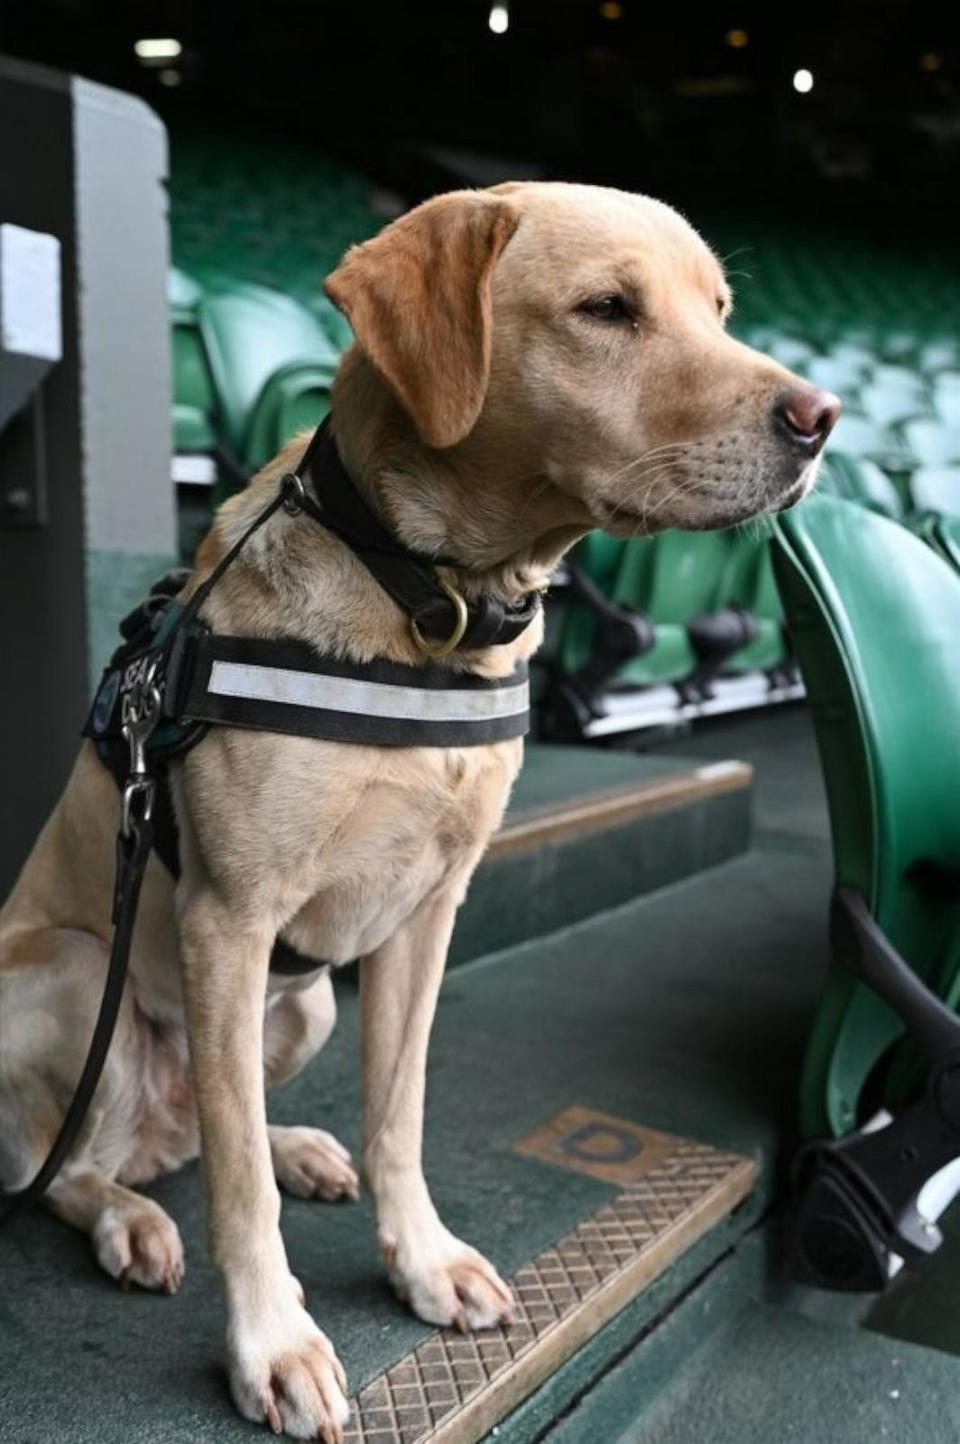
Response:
column 592, row 322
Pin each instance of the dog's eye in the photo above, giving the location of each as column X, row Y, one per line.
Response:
column 607, row 308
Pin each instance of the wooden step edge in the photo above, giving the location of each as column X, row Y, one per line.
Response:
column 556, row 822
column 452, row 1389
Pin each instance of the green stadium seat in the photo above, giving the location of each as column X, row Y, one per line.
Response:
column 940, row 355
column 900, row 347
column 835, row 373
column 760, row 336
column 946, row 396
column 889, row 404
column 856, row 354
column 875, row 616
column 194, row 401
column 296, row 398
column 902, row 379
column 858, row 436
column 932, row 443
column 790, row 351
column 249, row 334
column 193, row 430
column 748, row 582
column 863, row 481
column 334, row 323
column 680, row 581
column 183, row 293
column 673, row 578
column 936, row 488
column 831, row 480
column 942, row 533
column 598, row 556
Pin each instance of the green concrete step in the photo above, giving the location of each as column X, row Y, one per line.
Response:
column 684, row 1012
column 588, row 830
column 743, row 1358
column 769, row 1375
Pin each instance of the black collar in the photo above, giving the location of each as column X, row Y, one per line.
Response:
column 440, row 619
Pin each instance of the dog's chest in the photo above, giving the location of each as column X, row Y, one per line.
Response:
column 419, row 827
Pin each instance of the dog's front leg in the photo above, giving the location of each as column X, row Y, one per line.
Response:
column 444, row 1280
column 283, row 1370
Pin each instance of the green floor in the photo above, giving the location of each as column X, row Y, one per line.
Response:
column 774, row 1377
column 686, row 1010
column 532, row 892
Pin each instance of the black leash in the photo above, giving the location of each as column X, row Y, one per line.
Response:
column 133, row 850
column 440, row 621
column 142, row 709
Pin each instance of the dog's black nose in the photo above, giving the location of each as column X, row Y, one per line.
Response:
column 808, row 416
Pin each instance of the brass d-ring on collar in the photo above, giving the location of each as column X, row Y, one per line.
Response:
column 443, row 649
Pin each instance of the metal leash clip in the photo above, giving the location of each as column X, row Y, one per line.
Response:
column 293, row 493
column 140, row 714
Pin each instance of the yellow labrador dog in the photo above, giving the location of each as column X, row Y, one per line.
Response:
column 530, row 361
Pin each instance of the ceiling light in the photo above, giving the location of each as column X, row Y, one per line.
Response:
column 803, row 81
column 149, row 50
column 931, row 61
column 737, row 39
column 499, row 19
column 611, row 9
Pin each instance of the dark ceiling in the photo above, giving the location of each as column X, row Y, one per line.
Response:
column 683, row 96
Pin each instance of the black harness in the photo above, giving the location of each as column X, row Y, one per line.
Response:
column 172, row 678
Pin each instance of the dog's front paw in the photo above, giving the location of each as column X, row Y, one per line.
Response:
column 287, row 1375
column 310, row 1163
column 448, row 1283
column 136, row 1242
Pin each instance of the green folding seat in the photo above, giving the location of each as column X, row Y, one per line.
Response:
column 946, row 396
column 597, row 557
column 183, row 293
column 791, row 351
column 932, row 443
column 295, row 398
column 334, row 322
column 835, row 373
column 757, row 334
column 194, row 401
column 862, row 481
column 832, row 481
column 889, row 404
column 250, row 333
column 936, row 488
column 875, row 616
column 672, row 578
column 905, row 379
column 667, row 581
column 941, row 354
column 855, row 353
column 857, row 436
column 901, row 347
column 940, row 532
column 748, row 582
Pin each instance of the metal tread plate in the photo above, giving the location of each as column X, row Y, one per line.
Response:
column 452, row 1389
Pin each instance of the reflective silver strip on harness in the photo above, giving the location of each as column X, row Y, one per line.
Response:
column 371, row 699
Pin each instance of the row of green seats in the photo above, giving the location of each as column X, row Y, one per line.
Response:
column 262, row 206
column 251, row 368
column 677, row 612
column 829, row 288
column 684, row 610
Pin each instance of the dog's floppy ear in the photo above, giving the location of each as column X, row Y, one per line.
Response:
column 418, row 297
